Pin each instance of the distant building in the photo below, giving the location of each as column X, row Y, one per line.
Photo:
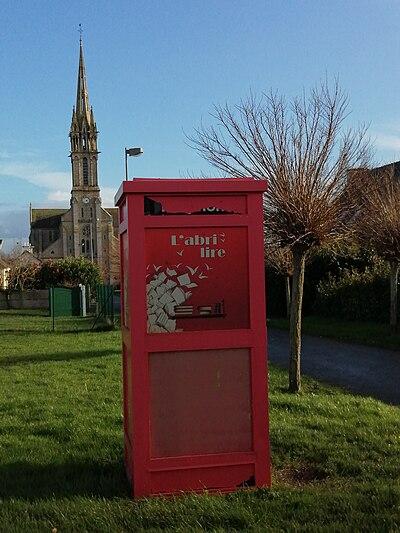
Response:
column 25, row 258
column 4, row 271
column 86, row 229
column 392, row 169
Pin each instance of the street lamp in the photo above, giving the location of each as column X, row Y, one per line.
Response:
column 135, row 152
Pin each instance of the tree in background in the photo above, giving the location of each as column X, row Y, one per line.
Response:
column 303, row 151
column 378, row 227
column 24, row 277
column 68, row 272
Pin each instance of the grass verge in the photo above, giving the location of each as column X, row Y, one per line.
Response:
column 336, row 457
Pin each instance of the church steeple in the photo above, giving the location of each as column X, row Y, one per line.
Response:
column 82, row 96
column 83, row 135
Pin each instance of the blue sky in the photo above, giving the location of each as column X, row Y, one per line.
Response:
column 154, row 70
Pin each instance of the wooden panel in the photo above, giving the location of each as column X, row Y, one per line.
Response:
column 217, row 478
column 200, row 402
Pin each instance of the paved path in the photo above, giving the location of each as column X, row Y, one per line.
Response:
column 360, row 369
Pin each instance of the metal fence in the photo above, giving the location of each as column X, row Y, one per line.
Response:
column 107, row 305
column 82, row 308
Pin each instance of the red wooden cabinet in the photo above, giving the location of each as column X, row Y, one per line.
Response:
column 194, row 335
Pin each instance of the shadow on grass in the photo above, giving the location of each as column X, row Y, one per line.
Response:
column 30, row 481
column 60, row 356
column 60, row 331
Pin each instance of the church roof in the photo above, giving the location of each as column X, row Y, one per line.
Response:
column 47, row 218
column 113, row 211
column 40, row 214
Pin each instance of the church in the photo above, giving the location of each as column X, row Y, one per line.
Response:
column 86, row 229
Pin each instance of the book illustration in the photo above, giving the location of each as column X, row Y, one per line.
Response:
column 168, row 292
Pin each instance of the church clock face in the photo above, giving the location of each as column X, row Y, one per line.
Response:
column 85, row 200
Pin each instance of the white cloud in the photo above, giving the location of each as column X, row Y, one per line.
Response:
column 14, row 224
column 58, row 184
column 37, row 174
column 387, row 141
column 59, row 196
column 107, row 196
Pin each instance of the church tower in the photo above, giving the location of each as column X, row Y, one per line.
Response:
column 83, row 137
column 86, row 229
column 87, row 214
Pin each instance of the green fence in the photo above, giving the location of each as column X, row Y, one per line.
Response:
column 65, row 301
column 105, row 297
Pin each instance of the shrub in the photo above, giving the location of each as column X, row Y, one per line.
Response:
column 355, row 295
column 324, row 266
column 68, row 272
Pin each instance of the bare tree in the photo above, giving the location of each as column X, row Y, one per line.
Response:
column 379, row 224
column 301, row 148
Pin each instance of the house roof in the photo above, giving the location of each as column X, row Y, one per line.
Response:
column 27, row 258
column 392, row 167
column 3, row 263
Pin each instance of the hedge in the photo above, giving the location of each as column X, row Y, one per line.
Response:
column 355, row 295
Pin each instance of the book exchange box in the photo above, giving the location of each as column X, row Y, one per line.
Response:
column 194, row 335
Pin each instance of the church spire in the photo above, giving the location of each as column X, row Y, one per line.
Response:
column 83, row 135
column 82, row 107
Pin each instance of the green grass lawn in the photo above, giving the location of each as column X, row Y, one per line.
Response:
column 369, row 333
column 336, row 457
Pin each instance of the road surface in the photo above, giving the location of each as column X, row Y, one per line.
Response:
column 360, row 369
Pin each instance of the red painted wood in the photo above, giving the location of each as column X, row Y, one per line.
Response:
column 186, row 436
column 176, row 187
column 208, row 460
column 192, row 221
column 216, row 478
column 218, row 417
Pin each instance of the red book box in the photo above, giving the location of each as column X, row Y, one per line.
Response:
column 194, row 335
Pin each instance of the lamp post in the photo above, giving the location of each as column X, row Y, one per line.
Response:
column 135, row 152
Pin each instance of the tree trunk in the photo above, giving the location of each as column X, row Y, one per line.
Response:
column 287, row 292
column 394, row 275
column 299, row 261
